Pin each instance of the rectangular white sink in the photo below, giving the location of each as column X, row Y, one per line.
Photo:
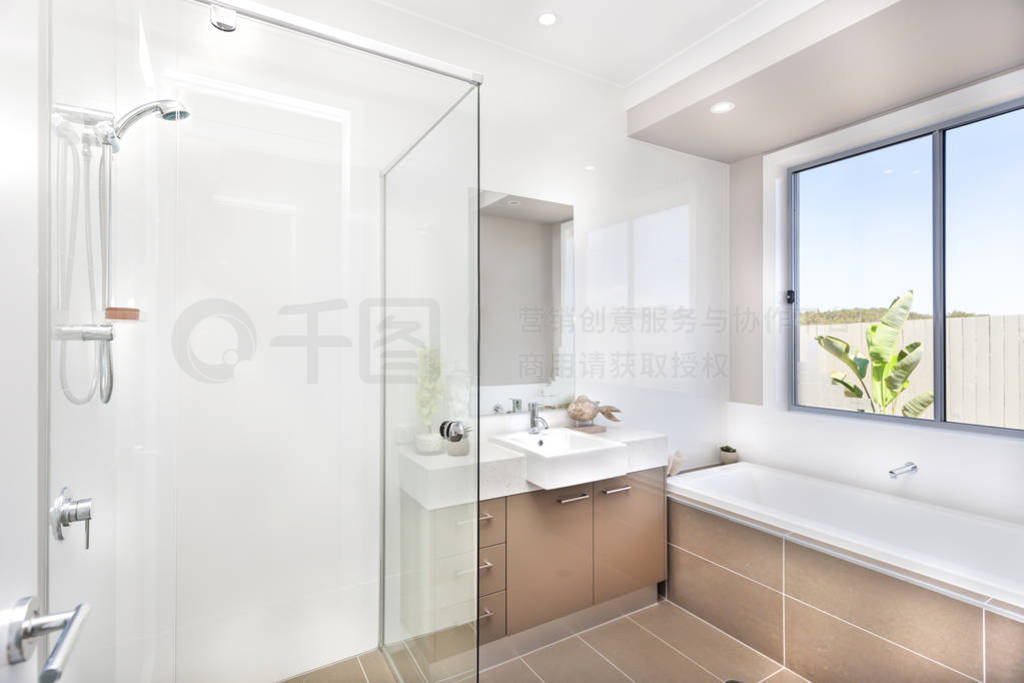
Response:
column 564, row 457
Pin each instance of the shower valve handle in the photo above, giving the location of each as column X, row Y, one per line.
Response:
column 67, row 510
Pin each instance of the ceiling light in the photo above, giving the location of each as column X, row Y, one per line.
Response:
column 547, row 18
column 513, row 202
column 722, row 107
column 589, row 167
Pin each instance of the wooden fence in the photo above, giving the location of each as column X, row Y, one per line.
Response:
column 984, row 375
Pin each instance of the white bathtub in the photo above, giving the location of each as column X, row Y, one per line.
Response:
column 979, row 554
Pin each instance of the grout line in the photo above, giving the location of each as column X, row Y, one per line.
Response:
column 527, row 665
column 405, row 644
column 984, row 646
column 891, row 642
column 359, row 661
column 724, row 633
column 784, row 602
column 731, row 571
column 602, row 656
column 781, row 668
column 685, row 656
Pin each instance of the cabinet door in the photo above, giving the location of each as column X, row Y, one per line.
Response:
column 630, row 549
column 550, row 548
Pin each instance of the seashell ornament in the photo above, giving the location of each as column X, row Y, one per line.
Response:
column 583, row 409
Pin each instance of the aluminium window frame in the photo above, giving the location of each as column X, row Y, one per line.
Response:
column 937, row 132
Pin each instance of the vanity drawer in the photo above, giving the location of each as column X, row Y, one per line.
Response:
column 490, row 623
column 492, row 522
column 492, row 569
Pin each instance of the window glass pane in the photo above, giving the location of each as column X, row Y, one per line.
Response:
column 984, row 257
column 865, row 240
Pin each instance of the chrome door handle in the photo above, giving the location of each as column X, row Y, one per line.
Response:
column 621, row 489
column 26, row 625
column 453, row 430
column 486, row 517
column 486, row 613
column 466, row 572
column 582, row 496
column 485, row 565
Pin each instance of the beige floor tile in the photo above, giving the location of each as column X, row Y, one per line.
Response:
column 827, row 650
column 752, row 553
column 725, row 657
column 509, row 672
column 743, row 609
column 347, row 671
column 643, row 657
column 404, row 664
column 946, row 630
column 572, row 661
column 375, row 665
column 1004, row 648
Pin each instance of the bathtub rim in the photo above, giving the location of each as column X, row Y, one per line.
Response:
column 980, row 594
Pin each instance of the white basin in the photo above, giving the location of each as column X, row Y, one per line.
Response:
column 564, row 457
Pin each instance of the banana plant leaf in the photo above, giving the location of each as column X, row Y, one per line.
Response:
column 851, row 390
column 841, row 350
column 883, row 335
column 897, row 377
column 917, row 405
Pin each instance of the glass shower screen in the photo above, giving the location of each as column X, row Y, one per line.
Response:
column 300, row 255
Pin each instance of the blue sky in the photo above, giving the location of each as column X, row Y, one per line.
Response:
column 865, row 223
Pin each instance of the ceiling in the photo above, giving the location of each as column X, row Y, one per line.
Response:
column 613, row 40
column 907, row 52
column 523, row 208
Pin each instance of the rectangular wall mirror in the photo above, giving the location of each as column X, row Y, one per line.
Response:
column 526, row 302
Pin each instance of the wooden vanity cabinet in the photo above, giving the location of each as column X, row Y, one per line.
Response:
column 550, row 555
column 630, row 545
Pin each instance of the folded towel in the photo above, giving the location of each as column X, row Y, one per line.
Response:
column 675, row 463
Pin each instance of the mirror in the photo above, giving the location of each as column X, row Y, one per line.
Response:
column 526, row 302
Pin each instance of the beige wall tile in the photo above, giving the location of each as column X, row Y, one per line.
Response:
column 946, row 630
column 785, row 676
column 724, row 656
column 573, row 661
column 643, row 657
column 826, row 650
column 1004, row 649
column 753, row 553
column 376, row 667
column 738, row 606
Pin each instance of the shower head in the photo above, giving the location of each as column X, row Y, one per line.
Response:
column 169, row 110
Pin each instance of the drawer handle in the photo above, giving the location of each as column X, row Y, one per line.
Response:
column 486, row 614
column 622, row 489
column 582, row 496
column 486, row 517
column 465, row 572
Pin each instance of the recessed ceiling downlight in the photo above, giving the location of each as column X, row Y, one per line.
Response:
column 547, row 18
column 722, row 107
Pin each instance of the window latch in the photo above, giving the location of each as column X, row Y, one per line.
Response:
column 790, row 296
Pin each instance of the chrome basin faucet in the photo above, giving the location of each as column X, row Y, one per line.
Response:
column 537, row 423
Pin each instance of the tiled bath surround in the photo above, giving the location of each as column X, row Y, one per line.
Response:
column 830, row 619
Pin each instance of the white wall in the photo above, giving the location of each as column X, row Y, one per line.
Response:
column 21, row 27
column 979, row 473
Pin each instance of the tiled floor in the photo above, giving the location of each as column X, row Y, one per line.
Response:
column 660, row 644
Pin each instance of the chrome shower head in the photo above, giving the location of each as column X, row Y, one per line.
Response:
column 169, row 110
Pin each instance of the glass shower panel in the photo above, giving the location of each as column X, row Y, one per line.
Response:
column 236, row 469
column 430, row 332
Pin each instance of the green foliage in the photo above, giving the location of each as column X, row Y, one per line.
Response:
column 429, row 388
column 850, row 316
column 886, row 367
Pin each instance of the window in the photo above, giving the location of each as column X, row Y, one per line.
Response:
column 869, row 274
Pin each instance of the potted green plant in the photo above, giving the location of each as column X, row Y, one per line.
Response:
column 728, row 455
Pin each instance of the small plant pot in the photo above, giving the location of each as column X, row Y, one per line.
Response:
column 457, row 448
column 429, row 444
column 728, row 457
